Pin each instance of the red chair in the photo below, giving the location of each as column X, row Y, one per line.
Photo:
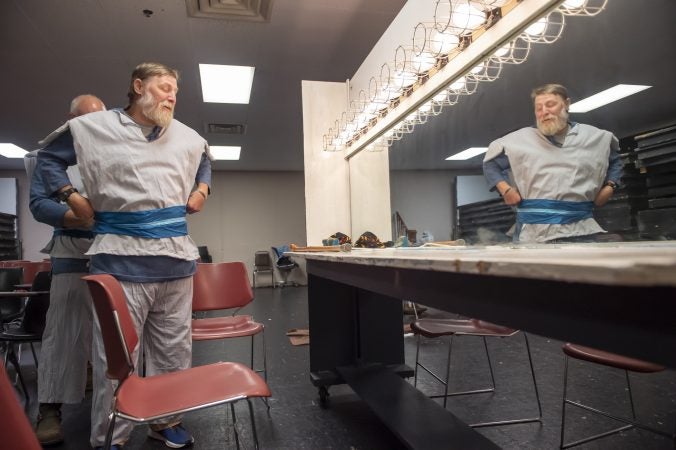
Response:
column 225, row 286
column 607, row 359
column 143, row 400
column 15, row 428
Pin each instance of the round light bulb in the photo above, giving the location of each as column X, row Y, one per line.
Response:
column 574, row 4
column 458, row 84
column 424, row 61
column 426, row 107
column 440, row 97
column 443, row 43
column 465, row 16
column 502, row 51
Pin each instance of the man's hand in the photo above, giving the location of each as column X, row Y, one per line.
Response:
column 603, row 196
column 196, row 200
column 509, row 194
column 80, row 206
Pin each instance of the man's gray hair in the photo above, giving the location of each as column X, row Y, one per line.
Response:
column 551, row 88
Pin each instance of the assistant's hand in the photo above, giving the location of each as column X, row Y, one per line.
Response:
column 603, row 196
column 70, row 220
column 80, row 206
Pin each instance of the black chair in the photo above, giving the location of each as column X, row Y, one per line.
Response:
column 284, row 264
column 29, row 329
column 263, row 264
column 205, row 257
column 10, row 308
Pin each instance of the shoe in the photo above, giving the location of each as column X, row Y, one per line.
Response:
column 174, row 437
column 48, row 428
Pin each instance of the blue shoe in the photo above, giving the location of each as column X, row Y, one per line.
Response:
column 174, row 437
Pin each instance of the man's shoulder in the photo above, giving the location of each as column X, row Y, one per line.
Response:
column 591, row 130
column 179, row 127
column 517, row 134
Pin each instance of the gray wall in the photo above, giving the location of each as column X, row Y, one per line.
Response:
column 246, row 212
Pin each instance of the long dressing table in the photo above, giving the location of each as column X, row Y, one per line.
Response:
column 616, row 297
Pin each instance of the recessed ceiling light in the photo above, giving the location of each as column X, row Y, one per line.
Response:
column 467, row 154
column 225, row 152
column 12, row 151
column 608, row 96
column 226, row 84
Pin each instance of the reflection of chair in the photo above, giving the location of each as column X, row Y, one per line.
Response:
column 435, row 328
column 262, row 264
column 146, row 399
column 10, row 308
column 225, row 286
column 15, row 428
column 29, row 329
column 284, row 264
column 205, row 257
column 609, row 360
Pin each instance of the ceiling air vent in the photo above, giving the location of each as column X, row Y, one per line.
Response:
column 248, row 10
column 225, row 128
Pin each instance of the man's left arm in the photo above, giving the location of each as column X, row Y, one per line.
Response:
column 199, row 196
column 613, row 175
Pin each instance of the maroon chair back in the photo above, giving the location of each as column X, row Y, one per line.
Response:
column 15, row 429
column 221, row 286
column 117, row 327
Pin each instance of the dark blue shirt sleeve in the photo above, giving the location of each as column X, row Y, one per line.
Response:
column 44, row 208
column 204, row 171
column 614, row 173
column 53, row 161
column 496, row 170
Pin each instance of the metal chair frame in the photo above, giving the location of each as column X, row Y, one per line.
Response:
column 445, row 381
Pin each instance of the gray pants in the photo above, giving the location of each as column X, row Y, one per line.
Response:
column 66, row 341
column 162, row 317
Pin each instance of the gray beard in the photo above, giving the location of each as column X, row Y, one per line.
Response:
column 554, row 127
column 154, row 111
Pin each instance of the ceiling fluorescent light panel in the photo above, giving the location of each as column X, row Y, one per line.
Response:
column 467, row 154
column 11, row 151
column 613, row 94
column 225, row 152
column 226, row 84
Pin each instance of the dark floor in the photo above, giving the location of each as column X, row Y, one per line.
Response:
column 296, row 420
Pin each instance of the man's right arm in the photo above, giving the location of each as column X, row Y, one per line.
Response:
column 495, row 171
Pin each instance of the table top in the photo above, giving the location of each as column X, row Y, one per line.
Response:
column 645, row 263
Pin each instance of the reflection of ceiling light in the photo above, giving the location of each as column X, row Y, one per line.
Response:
column 12, row 151
column 226, row 84
column 502, row 51
column 458, row 84
column 537, row 27
column 573, row 4
column 225, row 152
column 440, row 97
column 467, row 154
column 608, row 96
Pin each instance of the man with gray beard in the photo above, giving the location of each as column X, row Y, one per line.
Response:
column 559, row 169
column 143, row 171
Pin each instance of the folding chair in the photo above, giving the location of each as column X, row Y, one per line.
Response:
column 225, row 286
column 435, row 328
column 147, row 399
column 263, row 264
column 15, row 428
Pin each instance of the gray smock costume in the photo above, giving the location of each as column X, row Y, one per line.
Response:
column 573, row 172
column 125, row 172
column 67, row 337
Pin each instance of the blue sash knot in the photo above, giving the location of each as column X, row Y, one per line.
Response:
column 151, row 223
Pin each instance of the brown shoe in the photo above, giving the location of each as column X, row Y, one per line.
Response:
column 48, row 429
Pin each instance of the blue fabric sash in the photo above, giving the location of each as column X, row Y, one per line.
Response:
column 75, row 233
column 553, row 211
column 151, row 223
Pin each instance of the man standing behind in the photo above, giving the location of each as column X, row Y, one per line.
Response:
column 560, row 171
column 139, row 167
column 67, row 338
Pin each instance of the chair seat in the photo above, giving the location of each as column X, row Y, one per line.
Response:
column 610, row 359
column 161, row 395
column 19, row 334
column 225, row 327
column 432, row 328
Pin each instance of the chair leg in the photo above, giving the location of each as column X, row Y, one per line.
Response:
column 11, row 356
column 448, row 369
column 415, row 368
column 35, row 357
column 490, row 365
column 253, row 423
column 254, row 279
column 234, row 423
column 109, row 433
column 563, row 403
column 265, row 366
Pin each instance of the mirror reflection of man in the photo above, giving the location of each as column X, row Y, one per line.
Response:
column 143, row 171
column 67, row 337
column 560, row 170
